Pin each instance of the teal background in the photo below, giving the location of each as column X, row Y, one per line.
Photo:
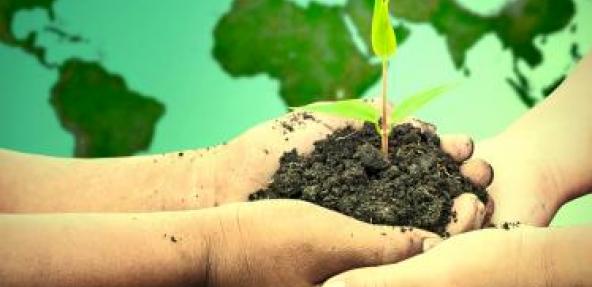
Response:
column 163, row 49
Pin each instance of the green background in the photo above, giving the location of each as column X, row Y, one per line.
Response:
column 164, row 50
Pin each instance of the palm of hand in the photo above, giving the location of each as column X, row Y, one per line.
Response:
column 254, row 157
column 524, row 189
column 491, row 253
column 293, row 243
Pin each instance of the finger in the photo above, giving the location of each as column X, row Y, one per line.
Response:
column 459, row 147
column 370, row 246
column 478, row 171
column 355, row 244
column 425, row 127
column 469, row 213
column 404, row 274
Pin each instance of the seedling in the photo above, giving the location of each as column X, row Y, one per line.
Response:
column 384, row 44
column 364, row 111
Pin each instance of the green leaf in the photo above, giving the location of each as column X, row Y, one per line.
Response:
column 350, row 109
column 384, row 41
column 412, row 104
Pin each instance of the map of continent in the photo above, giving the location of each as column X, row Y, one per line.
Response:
column 314, row 56
column 308, row 49
column 105, row 117
column 315, row 52
column 8, row 8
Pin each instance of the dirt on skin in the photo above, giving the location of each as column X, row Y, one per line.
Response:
column 347, row 173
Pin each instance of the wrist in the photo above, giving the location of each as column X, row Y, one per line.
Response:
column 225, row 246
column 534, row 264
column 526, row 186
column 185, row 180
column 207, row 173
column 198, row 242
column 560, row 156
column 567, row 256
column 533, row 157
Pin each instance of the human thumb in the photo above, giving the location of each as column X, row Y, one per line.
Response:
column 399, row 274
column 370, row 245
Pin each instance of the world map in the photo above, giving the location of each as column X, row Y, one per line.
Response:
column 310, row 50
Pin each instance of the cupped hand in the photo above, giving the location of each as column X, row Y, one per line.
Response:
column 526, row 189
column 294, row 243
column 251, row 160
column 488, row 257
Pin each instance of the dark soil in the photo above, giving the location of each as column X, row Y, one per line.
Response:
column 347, row 173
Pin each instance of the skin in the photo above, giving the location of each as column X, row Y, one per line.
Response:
column 526, row 257
column 530, row 186
column 180, row 219
column 224, row 246
column 231, row 246
column 544, row 159
column 541, row 161
column 192, row 179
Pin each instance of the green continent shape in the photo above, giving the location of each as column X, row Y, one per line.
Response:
column 516, row 25
column 8, row 8
column 105, row 116
column 313, row 54
column 520, row 22
column 310, row 50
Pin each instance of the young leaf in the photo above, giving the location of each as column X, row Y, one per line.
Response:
column 351, row 109
column 416, row 102
column 384, row 41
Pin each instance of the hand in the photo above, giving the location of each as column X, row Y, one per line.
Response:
column 294, row 243
column 250, row 161
column 526, row 188
column 490, row 257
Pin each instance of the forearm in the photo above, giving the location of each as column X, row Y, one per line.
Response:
column 568, row 256
column 174, row 181
column 559, row 132
column 561, row 129
column 156, row 249
column 532, row 257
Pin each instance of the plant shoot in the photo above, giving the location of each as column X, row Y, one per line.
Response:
column 384, row 44
column 361, row 110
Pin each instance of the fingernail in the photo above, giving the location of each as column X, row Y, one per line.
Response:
column 334, row 284
column 492, row 172
column 471, row 147
column 431, row 242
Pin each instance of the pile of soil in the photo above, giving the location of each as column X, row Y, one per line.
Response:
column 347, row 172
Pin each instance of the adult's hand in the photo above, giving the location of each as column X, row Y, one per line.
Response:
column 293, row 243
column 251, row 160
column 527, row 187
column 544, row 159
column 526, row 257
column 193, row 179
column 267, row 243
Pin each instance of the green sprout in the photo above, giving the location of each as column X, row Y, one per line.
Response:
column 364, row 111
column 384, row 44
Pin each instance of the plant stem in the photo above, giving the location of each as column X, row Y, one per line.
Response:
column 384, row 135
